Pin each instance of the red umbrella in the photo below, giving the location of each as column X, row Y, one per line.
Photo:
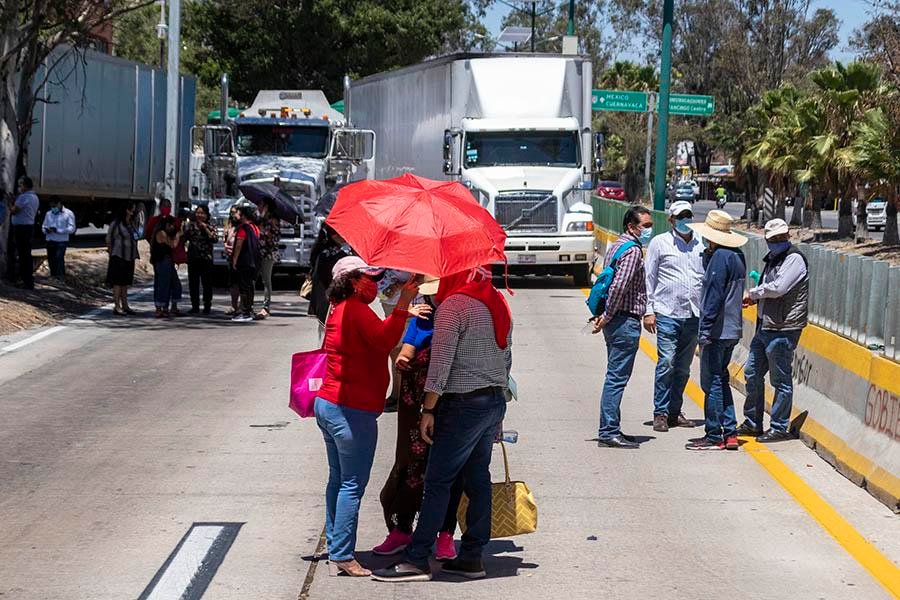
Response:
column 417, row 225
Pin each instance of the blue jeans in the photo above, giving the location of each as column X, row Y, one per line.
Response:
column 622, row 335
column 350, row 438
column 56, row 258
column 718, row 405
column 676, row 340
column 166, row 284
column 464, row 431
column 771, row 351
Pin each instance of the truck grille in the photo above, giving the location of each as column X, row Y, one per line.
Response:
column 509, row 206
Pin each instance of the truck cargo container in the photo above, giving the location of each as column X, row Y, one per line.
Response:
column 514, row 128
column 100, row 140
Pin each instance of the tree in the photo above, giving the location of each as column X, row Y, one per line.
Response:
column 314, row 44
column 36, row 37
column 625, row 133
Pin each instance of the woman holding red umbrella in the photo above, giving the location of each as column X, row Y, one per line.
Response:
column 357, row 344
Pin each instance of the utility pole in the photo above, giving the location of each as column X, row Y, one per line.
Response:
column 665, row 83
column 649, row 153
column 173, row 100
column 533, row 15
column 161, row 33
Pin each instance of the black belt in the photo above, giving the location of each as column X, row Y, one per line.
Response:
column 466, row 395
column 629, row 314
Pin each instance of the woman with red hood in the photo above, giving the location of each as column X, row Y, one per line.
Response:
column 464, row 405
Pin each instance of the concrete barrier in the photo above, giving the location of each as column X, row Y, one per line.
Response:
column 846, row 397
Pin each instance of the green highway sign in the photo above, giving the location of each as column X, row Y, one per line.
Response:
column 689, row 104
column 619, row 101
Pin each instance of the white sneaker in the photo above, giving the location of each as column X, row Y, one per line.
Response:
column 242, row 318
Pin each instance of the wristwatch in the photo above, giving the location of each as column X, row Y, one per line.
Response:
column 427, row 411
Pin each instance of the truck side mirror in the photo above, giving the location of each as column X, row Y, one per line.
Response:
column 448, row 156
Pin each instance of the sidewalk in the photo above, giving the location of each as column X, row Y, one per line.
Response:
column 656, row 522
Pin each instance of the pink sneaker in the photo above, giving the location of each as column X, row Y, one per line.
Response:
column 445, row 548
column 395, row 542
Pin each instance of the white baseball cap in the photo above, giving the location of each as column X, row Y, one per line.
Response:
column 676, row 208
column 776, row 227
column 349, row 264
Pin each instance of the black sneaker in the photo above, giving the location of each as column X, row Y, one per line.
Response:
column 470, row 569
column 747, row 429
column 705, row 443
column 402, row 572
column 194, row 311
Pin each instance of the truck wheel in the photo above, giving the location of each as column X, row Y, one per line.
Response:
column 582, row 276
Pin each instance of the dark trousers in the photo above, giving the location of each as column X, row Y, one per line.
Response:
column 718, row 405
column 19, row 255
column 464, row 431
column 246, row 286
column 200, row 272
column 56, row 258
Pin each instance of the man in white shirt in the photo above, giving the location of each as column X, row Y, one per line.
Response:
column 674, row 273
column 24, row 212
column 59, row 224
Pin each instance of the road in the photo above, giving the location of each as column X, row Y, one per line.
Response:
column 119, row 435
column 736, row 210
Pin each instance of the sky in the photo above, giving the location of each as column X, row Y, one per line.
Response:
column 852, row 14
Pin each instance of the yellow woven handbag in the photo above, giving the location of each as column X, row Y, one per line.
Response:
column 513, row 509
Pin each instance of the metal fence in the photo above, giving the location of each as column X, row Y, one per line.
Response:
column 608, row 215
column 854, row 296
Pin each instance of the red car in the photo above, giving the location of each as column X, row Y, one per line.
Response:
column 612, row 190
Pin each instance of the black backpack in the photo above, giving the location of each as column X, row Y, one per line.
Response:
column 249, row 256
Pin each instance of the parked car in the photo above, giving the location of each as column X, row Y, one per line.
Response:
column 612, row 190
column 876, row 214
column 684, row 191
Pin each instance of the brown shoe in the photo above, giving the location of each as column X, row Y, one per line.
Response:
column 679, row 421
column 660, row 423
column 350, row 567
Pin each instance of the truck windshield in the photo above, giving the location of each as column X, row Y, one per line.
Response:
column 253, row 140
column 534, row 148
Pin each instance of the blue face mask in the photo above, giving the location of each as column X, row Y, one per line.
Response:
column 56, row 210
column 778, row 247
column 681, row 225
column 646, row 235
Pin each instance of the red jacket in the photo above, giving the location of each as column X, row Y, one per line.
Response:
column 358, row 345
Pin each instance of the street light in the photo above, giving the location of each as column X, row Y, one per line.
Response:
column 534, row 14
column 665, row 82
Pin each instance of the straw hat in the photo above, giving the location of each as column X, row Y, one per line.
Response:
column 430, row 286
column 717, row 229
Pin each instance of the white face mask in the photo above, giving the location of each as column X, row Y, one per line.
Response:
column 646, row 235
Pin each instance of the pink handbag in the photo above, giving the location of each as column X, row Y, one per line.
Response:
column 307, row 374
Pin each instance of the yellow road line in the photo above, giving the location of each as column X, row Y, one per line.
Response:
column 867, row 555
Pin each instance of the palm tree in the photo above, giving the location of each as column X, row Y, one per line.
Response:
column 843, row 94
column 875, row 154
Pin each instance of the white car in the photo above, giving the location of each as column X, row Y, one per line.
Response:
column 876, row 214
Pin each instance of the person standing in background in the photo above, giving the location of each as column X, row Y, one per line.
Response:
column 329, row 248
column 269, row 238
column 245, row 260
column 24, row 213
column 674, row 268
column 721, row 326
column 59, row 224
column 200, row 236
column 620, row 322
column 122, row 246
column 783, row 298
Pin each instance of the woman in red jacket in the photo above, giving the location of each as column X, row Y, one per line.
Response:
column 351, row 398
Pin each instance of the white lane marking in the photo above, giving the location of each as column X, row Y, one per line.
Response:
column 184, row 566
column 38, row 336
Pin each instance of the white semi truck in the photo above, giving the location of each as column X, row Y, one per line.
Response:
column 292, row 138
column 515, row 129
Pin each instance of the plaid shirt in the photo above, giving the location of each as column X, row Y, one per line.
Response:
column 464, row 352
column 628, row 291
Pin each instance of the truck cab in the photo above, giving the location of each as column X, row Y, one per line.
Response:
column 293, row 139
column 529, row 175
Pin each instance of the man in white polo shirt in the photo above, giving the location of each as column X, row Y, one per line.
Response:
column 24, row 212
column 59, row 224
column 674, row 272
